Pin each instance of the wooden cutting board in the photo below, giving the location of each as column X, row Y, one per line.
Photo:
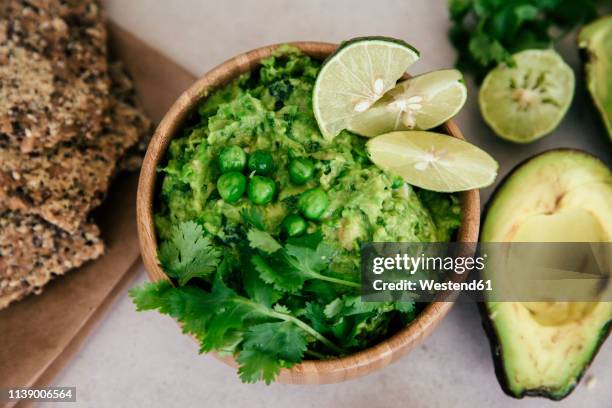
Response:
column 40, row 334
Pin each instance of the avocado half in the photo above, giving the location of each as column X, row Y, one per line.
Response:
column 595, row 40
column 543, row 349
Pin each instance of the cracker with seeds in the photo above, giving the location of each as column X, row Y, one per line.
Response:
column 63, row 186
column 123, row 89
column 54, row 81
column 33, row 251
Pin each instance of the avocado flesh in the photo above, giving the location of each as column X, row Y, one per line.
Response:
column 596, row 40
column 542, row 348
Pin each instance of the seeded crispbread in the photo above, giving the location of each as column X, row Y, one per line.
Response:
column 33, row 251
column 54, row 81
column 63, row 186
column 123, row 89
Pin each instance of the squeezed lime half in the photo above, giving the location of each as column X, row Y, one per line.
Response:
column 433, row 161
column 527, row 101
column 357, row 75
column 419, row 103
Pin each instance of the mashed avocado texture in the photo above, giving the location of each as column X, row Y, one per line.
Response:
column 270, row 109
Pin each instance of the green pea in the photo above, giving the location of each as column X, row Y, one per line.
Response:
column 313, row 203
column 294, row 225
column 232, row 158
column 301, row 170
column 231, row 186
column 261, row 190
column 397, row 182
column 261, row 162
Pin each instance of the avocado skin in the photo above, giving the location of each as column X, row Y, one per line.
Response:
column 588, row 57
column 498, row 361
column 496, row 349
column 583, row 54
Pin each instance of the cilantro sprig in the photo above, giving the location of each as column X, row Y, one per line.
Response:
column 264, row 335
column 487, row 32
column 269, row 304
column 265, row 339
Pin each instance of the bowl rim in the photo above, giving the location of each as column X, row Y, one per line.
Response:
column 309, row 371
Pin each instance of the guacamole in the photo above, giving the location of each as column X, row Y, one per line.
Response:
column 260, row 221
column 270, row 110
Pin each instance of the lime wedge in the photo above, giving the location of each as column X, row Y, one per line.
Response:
column 527, row 101
column 420, row 103
column 355, row 77
column 433, row 161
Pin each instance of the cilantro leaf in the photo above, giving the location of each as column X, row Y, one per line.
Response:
column 262, row 240
column 405, row 307
column 307, row 240
column 256, row 365
column 333, row 308
column 487, row 50
column 281, row 309
column 256, row 288
column 278, row 273
column 353, row 305
column 308, row 260
column 487, row 33
column 253, row 217
column 284, row 340
column 151, row 296
column 269, row 346
column 315, row 314
column 188, row 254
column 184, row 303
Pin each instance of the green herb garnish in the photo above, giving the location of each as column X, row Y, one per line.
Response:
column 188, row 254
column 488, row 32
column 263, row 333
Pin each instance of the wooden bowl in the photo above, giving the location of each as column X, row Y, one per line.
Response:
column 310, row 371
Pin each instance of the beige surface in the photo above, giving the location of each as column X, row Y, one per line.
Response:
column 143, row 360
